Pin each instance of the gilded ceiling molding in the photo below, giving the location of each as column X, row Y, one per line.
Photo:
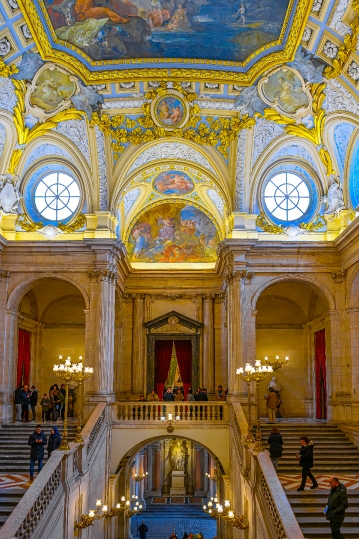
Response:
column 313, row 134
column 217, row 132
column 130, row 67
column 349, row 46
column 290, row 230
column 7, row 70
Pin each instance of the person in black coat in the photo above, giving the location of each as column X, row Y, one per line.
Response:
column 33, row 402
column 54, row 441
column 305, row 457
column 142, row 530
column 336, row 506
column 18, row 398
column 168, row 396
column 275, row 442
column 37, row 441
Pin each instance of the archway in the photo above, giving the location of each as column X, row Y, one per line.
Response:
column 291, row 322
column 172, row 477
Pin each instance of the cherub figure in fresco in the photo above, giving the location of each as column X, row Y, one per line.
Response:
column 156, row 14
column 85, row 9
column 179, row 20
column 176, row 115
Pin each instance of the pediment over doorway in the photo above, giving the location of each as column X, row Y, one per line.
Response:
column 173, row 323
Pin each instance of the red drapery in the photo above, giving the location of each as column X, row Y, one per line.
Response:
column 163, row 353
column 184, row 359
column 320, row 375
column 23, row 357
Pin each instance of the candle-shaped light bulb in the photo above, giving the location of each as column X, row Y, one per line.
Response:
column 270, row 368
column 210, row 511
column 227, row 503
column 230, row 514
column 80, row 358
column 257, row 363
column 105, row 508
column 118, row 506
column 60, row 357
column 215, row 500
column 170, row 417
column 286, row 358
column 204, row 507
column 128, row 502
column 135, row 508
column 210, row 504
column 220, row 508
column 123, row 499
column 98, row 503
column 266, row 358
column 91, row 513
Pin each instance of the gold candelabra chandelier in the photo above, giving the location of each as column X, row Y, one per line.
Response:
column 248, row 374
column 71, row 372
column 121, row 507
column 169, row 421
column 214, row 478
column 217, row 510
column 277, row 363
column 139, row 478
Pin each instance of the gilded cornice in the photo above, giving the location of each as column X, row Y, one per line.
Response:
column 130, row 70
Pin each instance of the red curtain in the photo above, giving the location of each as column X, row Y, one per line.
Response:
column 163, row 353
column 23, row 357
column 184, row 359
column 320, row 375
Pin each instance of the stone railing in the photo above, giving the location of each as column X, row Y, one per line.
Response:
column 189, row 412
column 274, row 503
column 41, row 510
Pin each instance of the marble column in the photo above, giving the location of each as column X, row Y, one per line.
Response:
column 156, row 477
column 198, row 472
column 208, row 343
column 141, row 469
column 103, row 295
column 224, row 339
column 138, row 359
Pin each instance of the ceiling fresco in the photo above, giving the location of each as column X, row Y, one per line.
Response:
column 227, row 35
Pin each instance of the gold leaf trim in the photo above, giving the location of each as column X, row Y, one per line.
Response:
column 314, row 226
column 262, row 223
column 78, row 223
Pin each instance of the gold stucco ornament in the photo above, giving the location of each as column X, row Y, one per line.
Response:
column 28, row 225
column 262, row 223
column 158, row 109
column 314, row 225
column 348, row 48
column 7, row 70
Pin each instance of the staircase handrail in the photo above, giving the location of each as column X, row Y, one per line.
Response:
column 27, row 514
column 275, row 501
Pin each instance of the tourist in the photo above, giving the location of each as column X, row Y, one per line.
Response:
column 142, row 398
column 37, row 441
column 205, row 396
column 45, row 405
column 179, row 396
column 336, row 506
column 173, row 536
column 33, row 402
column 63, row 391
column 305, row 457
column 190, row 396
column 18, row 398
column 25, row 403
column 185, row 535
column 54, row 441
column 52, row 410
column 272, row 403
column 153, row 396
column 221, row 395
column 59, row 403
column 275, row 442
column 142, row 530
column 168, row 396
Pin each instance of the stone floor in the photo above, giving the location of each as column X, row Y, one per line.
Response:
column 9, row 481
column 291, row 482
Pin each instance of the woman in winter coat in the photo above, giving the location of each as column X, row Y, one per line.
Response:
column 275, row 442
column 305, row 457
column 54, row 441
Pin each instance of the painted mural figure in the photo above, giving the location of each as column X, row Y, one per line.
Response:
column 179, row 20
column 241, row 14
column 288, row 96
column 166, row 232
column 173, row 183
column 85, row 9
column 157, row 15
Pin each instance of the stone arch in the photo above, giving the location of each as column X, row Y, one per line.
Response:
column 27, row 284
column 319, row 288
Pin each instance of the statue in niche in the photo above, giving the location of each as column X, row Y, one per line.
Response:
column 334, row 197
column 178, row 457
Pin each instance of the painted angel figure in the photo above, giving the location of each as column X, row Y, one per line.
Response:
column 334, row 197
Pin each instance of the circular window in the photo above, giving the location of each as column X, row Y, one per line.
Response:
column 57, row 196
column 287, row 196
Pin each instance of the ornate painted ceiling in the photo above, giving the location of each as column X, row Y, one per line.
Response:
column 175, row 133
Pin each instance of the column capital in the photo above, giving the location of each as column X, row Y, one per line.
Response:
column 208, row 298
column 4, row 275
column 108, row 275
column 138, row 297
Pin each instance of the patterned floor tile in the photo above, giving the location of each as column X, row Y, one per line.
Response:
column 292, row 482
column 8, row 481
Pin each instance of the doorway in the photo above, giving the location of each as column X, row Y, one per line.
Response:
column 320, row 375
column 173, row 365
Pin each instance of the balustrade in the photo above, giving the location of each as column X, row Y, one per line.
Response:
column 191, row 411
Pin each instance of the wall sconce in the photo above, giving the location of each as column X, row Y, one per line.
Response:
column 169, row 421
column 139, row 478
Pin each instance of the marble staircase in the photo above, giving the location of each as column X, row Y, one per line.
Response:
column 334, row 454
column 14, row 460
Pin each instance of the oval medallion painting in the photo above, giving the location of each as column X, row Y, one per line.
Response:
column 173, row 232
column 170, row 111
column 173, row 182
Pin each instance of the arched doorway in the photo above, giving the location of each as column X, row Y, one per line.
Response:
column 180, row 475
column 172, row 334
column 292, row 321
